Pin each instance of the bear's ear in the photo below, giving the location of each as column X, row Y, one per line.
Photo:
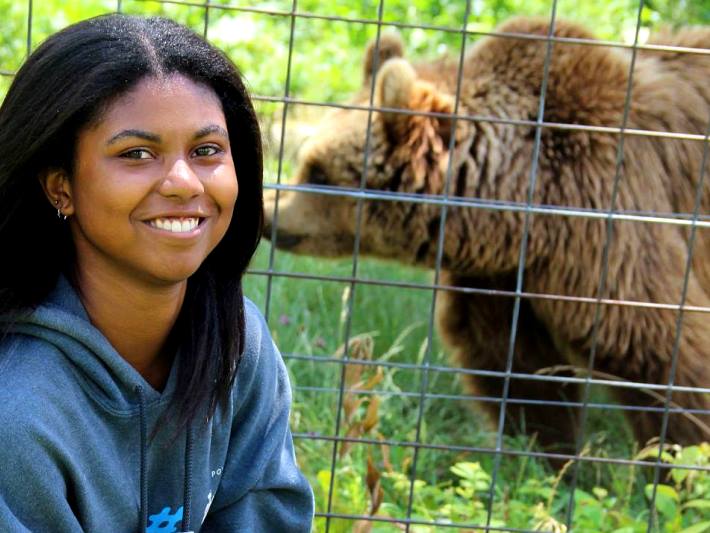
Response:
column 398, row 86
column 420, row 139
column 393, row 88
column 389, row 46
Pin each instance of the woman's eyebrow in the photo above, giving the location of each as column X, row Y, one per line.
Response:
column 209, row 130
column 152, row 137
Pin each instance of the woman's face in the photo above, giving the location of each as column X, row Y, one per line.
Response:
column 154, row 186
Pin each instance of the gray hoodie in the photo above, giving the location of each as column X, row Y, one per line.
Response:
column 76, row 452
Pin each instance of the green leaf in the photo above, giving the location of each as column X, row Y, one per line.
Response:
column 600, row 492
column 666, row 500
column 679, row 475
column 467, row 470
column 690, row 456
column 581, row 496
column 702, row 527
column 697, row 504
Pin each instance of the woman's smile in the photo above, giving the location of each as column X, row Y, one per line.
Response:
column 176, row 225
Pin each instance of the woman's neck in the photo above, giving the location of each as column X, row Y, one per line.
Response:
column 136, row 318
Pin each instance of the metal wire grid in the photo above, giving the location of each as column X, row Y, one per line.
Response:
column 694, row 220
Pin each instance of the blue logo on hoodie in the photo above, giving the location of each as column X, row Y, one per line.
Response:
column 164, row 521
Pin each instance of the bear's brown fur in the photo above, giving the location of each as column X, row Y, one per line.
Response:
column 492, row 159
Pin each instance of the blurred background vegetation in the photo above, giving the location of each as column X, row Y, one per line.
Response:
column 312, row 318
column 326, row 52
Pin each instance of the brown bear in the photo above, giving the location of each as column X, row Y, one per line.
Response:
column 424, row 142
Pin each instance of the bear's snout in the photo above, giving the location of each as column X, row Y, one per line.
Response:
column 282, row 239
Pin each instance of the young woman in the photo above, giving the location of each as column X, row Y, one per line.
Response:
column 140, row 390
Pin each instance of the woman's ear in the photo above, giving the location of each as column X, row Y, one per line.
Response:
column 57, row 188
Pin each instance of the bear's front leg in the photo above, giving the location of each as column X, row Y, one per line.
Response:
column 477, row 329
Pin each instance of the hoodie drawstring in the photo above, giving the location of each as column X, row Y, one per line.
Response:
column 187, row 482
column 144, row 458
column 187, row 486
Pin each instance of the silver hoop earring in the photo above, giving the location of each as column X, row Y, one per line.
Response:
column 60, row 215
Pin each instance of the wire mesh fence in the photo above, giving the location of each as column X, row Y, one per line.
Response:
column 386, row 427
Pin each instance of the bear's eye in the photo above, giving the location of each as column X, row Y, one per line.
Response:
column 316, row 175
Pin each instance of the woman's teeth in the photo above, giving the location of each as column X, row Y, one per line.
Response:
column 176, row 225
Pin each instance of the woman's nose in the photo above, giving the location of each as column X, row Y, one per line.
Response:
column 181, row 181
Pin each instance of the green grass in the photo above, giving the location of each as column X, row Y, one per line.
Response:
column 309, row 317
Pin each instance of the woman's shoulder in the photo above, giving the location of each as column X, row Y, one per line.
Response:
column 257, row 337
column 24, row 357
column 37, row 408
column 261, row 361
column 254, row 318
column 34, row 377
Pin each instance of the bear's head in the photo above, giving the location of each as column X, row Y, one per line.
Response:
column 399, row 144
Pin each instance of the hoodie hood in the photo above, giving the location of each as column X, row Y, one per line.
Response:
column 62, row 321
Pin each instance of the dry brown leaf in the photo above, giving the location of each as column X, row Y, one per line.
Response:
column 385, row 454
column 374, row 487
column 353, row 374
column 374, row 380
column 354, row 431
column 361, row 348
column 376, row 499
column 373, row 474
column 351, row 404
column 371, row 416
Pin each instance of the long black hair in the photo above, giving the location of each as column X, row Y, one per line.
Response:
column 62, row 88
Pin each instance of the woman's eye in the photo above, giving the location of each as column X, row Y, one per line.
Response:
column 137, row 153
column 206, row 151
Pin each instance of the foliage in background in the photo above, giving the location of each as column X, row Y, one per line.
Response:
column 327, row 53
